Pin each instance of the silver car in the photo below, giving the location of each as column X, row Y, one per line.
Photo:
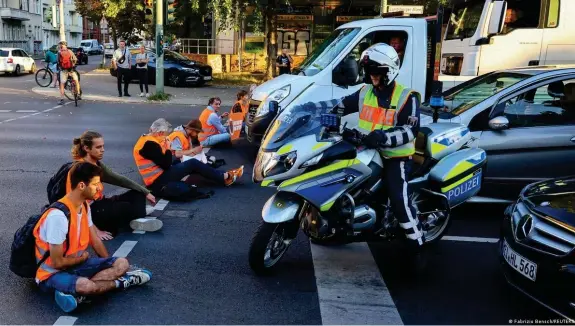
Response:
column 523, row 118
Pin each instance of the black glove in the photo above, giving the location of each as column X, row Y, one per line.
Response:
column 349, row 134
column 375, row 139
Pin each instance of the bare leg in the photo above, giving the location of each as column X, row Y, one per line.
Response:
column 87, row 287
column 119, row 268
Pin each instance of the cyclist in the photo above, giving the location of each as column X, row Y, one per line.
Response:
column 66, row 62
column 52, row 61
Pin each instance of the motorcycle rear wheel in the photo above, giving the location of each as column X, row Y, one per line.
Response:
column 269, row 243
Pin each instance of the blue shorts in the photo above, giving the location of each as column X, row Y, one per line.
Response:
column 65, row 281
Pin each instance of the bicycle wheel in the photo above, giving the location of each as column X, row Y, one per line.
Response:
column 43, row 77
column 69, row 90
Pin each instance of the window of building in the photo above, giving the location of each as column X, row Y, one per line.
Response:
column 24, row 5
column 521, row 14
column 548, row 105
column 552, row 14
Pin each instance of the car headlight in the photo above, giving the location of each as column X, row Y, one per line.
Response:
column 278, row 95
column 312, row 161
column 192, row 70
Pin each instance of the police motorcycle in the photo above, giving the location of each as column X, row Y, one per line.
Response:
column 329, row 185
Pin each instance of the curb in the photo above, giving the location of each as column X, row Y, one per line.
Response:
column 130, row 100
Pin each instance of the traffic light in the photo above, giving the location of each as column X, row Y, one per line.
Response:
column 149, row 12
column 170, row 12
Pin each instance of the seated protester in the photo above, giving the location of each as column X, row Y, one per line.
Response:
column 154, row 161
column 112, row 213
column 182, row 137
column 68, row 269
column 242, row 104
column 213, row 132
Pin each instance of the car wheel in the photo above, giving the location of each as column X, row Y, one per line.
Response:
column 86, row 61
column 174, row 80
column 17, row 70
column 33, row 69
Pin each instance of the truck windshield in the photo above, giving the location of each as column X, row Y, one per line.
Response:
column 480, row 89
column 464, row 19
column 324, row 54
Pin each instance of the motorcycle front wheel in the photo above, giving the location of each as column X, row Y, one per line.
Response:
column 269, row 243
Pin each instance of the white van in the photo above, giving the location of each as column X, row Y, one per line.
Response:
column 321, row 76
column 488, row 35
column 91, row 46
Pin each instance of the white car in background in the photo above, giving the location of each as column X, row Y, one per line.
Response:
column 16, row 61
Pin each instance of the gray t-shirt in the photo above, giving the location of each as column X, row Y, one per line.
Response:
column 141, row 56
column 118, row 54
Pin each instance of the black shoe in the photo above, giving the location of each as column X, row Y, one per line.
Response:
column 120, row 95
column 127, row 95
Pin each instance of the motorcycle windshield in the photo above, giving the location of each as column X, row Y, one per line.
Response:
column 296, row 122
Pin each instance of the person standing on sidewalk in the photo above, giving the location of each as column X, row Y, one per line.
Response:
column 122, row 63
column 142, row 68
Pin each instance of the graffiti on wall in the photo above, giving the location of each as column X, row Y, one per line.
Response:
column 297, row 42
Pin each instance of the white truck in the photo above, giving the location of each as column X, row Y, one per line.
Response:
column 321, row 76
column 488, row 35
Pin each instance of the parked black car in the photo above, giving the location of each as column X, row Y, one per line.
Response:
column 537, row 244
column 79, row 52
column 178, row 70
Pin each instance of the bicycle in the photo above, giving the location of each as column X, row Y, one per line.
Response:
column 46, row 74
column 70, row 90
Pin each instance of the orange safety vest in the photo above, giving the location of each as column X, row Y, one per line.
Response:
column 149, row 170
column 244, row 107
column 207, row 130
column 99, row 193
column 74, row 247
column 181, row 135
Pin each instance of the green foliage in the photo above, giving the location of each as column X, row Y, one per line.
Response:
column 159, row 96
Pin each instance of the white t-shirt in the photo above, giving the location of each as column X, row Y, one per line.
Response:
column 55, row 226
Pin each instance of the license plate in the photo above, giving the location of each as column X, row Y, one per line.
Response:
column 463, row 189
column 208, row 78
column 524, row 266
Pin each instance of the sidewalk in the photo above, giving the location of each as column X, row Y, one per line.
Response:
column 102, row 87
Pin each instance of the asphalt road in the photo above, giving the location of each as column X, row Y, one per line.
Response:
column 199, row 258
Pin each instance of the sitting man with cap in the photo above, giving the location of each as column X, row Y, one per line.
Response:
column 182, row 137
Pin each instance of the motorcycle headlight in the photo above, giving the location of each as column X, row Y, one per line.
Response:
column 278, row 95
column 312, row 161
column 278, row 164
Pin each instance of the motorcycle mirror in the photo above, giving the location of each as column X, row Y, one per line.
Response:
column 274, row 106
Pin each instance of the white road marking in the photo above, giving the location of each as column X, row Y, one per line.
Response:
column 161, row 205
column 26, row 111
column 469, row 239
column 350, row 287
column 66, row 320
column 29, row 115
column 125, row 248
column 5, row 111
column 139, row 232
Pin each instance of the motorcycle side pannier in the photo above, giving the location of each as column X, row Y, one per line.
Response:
column 459, row 175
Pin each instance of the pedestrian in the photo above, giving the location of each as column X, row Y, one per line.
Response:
column 213, row 131
column 62, row 247
column 110, row 214
column 284, row 61
column 142, row 68
column 122, row 63
column 156, row 165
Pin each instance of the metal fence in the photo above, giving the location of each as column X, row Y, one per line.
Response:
column 208, row 46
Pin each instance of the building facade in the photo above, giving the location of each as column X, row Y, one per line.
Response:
column 21, row 25
column 73, row 24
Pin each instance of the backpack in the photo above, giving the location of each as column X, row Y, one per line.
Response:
column 22, row 257
column 65, row 60
column 57, row 185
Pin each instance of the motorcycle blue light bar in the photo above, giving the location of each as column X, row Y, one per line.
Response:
column 329, row 120
column 436, row 101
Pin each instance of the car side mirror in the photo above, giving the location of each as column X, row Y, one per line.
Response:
column 497, row 17
column 499, row 123
column 345, row 74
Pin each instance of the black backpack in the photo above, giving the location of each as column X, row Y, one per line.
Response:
column 22, row 257
column 57, row 185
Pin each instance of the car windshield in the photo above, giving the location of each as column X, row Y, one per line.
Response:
column 464, row 19
column 297, row 121
column 480, row 89
column 324, row 54
column 175, row 56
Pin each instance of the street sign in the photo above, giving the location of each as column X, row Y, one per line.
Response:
column 407, row 10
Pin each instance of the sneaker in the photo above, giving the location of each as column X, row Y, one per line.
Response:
column 149, row 209
column 146, row 224
column 141, row 94
column 147, row 94
column 234, row 175
column 61, row 102
column 67, row 302
column 136, row 277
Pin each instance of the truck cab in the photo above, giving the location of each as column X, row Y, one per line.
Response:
column 487, row 35
column 321, row 76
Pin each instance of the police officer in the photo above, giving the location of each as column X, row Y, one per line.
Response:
column 389, row 116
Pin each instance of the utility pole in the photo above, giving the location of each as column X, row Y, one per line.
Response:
column 62, row 30
column 159, row 46
column 383, row 6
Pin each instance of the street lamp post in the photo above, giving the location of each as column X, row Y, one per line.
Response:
column 159, row 46
column 62, row 30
